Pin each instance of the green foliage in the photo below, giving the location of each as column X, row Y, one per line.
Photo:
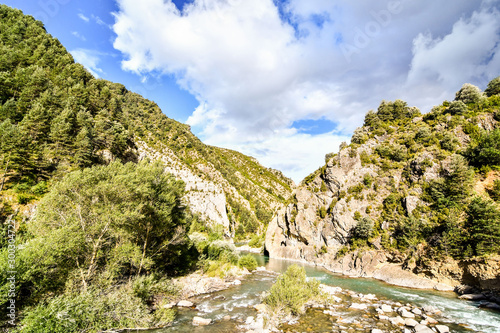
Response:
column 495, row 190
column 322, row 212
column 363, row 228
column 323, row 187
column 486, row 151
column 248, row 261
column 91, row 311
column 368, row 180
column 483, row 225
column 257, row 241
column 292, row 291
column 222, row 251
column 493, row 87
column 468, row 94
column 457, row 108
column 449, row 142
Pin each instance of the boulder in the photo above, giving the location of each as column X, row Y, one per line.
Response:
column 397, row 321
column 185, row 304
column 411, row 322
column 199, row 321
column 376, row 330
column 423, row 329
column 473, row 297
column 417, row 311
column 260, row 307
column 442, row 329
column 357, row 306
column 406, row 314
column 386, row 308
column 237, row 282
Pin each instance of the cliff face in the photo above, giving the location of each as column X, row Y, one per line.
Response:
column 382, row 181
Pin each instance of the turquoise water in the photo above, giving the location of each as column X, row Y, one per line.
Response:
column 237, row 302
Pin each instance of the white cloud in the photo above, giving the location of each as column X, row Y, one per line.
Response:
column 77, row 35
column 89, row 59
column 83, row 17
column 256, row 68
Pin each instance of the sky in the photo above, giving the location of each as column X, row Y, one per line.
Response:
column 285, row 81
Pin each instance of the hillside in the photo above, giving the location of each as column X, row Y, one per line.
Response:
column 56, row 118
column 413, row 191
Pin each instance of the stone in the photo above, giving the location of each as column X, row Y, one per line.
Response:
column 260, row 269
column 376, row 330
column 442, row 329
column 490, row 305
column 431, row 320
column 417, row 311
column 429, row 309
column 406, row 314
column 386, row 308
column 237, row 282
column 169, row 305
column 358, row 306
column 411, row 322
column 397, row 321
column 185, row 304
column 199, row 321
column 382, row 317
column 473, row 297
column 249, row 320
column 226, row 318
column 423, row 329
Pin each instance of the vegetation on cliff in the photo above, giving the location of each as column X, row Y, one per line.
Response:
column 430, row 187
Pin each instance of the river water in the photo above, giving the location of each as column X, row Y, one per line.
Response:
column 237, row 302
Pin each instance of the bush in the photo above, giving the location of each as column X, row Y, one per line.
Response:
column 256, row 241
column 487, row 150
column 363, row 228
column 495, row 190
column 483, row 225
column 248, row 261
column 87, row 312
column 457, row 108
column 292, row 291
column 468, row 94
column 222, row 251
column 493, row 87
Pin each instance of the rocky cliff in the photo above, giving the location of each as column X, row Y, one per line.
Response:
column 370, row 210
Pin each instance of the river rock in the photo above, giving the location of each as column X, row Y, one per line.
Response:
column 185, row 304
column 226, row 318
column 405, row 313
column 490, row 305
column 397, row 321
column 386, row 308
column 429, row 309
column 383, row 317
column 198, row 321
column 473, row 297
column 423, row 329
column 431, row 320
column 417, row 311
column 358, row 306
column 376, row 330
column 237, row 282
column 260, row 269
column 169, row 305
column 260, row 307
column 442, row 328
column 411, row 322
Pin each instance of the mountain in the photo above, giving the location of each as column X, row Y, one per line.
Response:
column 55, row 118
column 412, row 193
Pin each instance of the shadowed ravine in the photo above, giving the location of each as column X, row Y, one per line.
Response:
column 237, row 302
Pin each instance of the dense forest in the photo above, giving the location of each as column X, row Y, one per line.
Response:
column 99, row 231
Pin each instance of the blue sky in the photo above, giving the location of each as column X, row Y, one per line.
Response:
column 283, row 81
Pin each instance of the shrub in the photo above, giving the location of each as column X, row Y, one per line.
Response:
column 367, row 180
column 291, row 291
column 457, row 107
column 363, row 228
column 468, row 94
column 493, row 87
column 322, row 212
column 87, row 312
column 248, row 261
column 487, row 150
column 495, row 191
column 256, row 241
column 449, row 142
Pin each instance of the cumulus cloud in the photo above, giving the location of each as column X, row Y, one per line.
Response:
column 256, row 67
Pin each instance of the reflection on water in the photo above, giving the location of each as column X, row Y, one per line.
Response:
column 237, row 302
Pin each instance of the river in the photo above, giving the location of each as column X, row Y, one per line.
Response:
column 237, row 302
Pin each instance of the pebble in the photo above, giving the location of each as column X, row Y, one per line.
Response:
column 417, row 311
column 198, row 321
column 386, row 308
column 406, row 314
column 237, row 282
column 423, row 329
column 226, row 318
column 397, row 321
column 442, row 328
column 473, row 297
column 358, row 306
column 411, row 322
column 376, row 330
column 185, row 304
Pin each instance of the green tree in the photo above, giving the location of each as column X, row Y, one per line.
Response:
column 486, row 151
column 468, row 94
column 483, row 225
column 493, row 87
